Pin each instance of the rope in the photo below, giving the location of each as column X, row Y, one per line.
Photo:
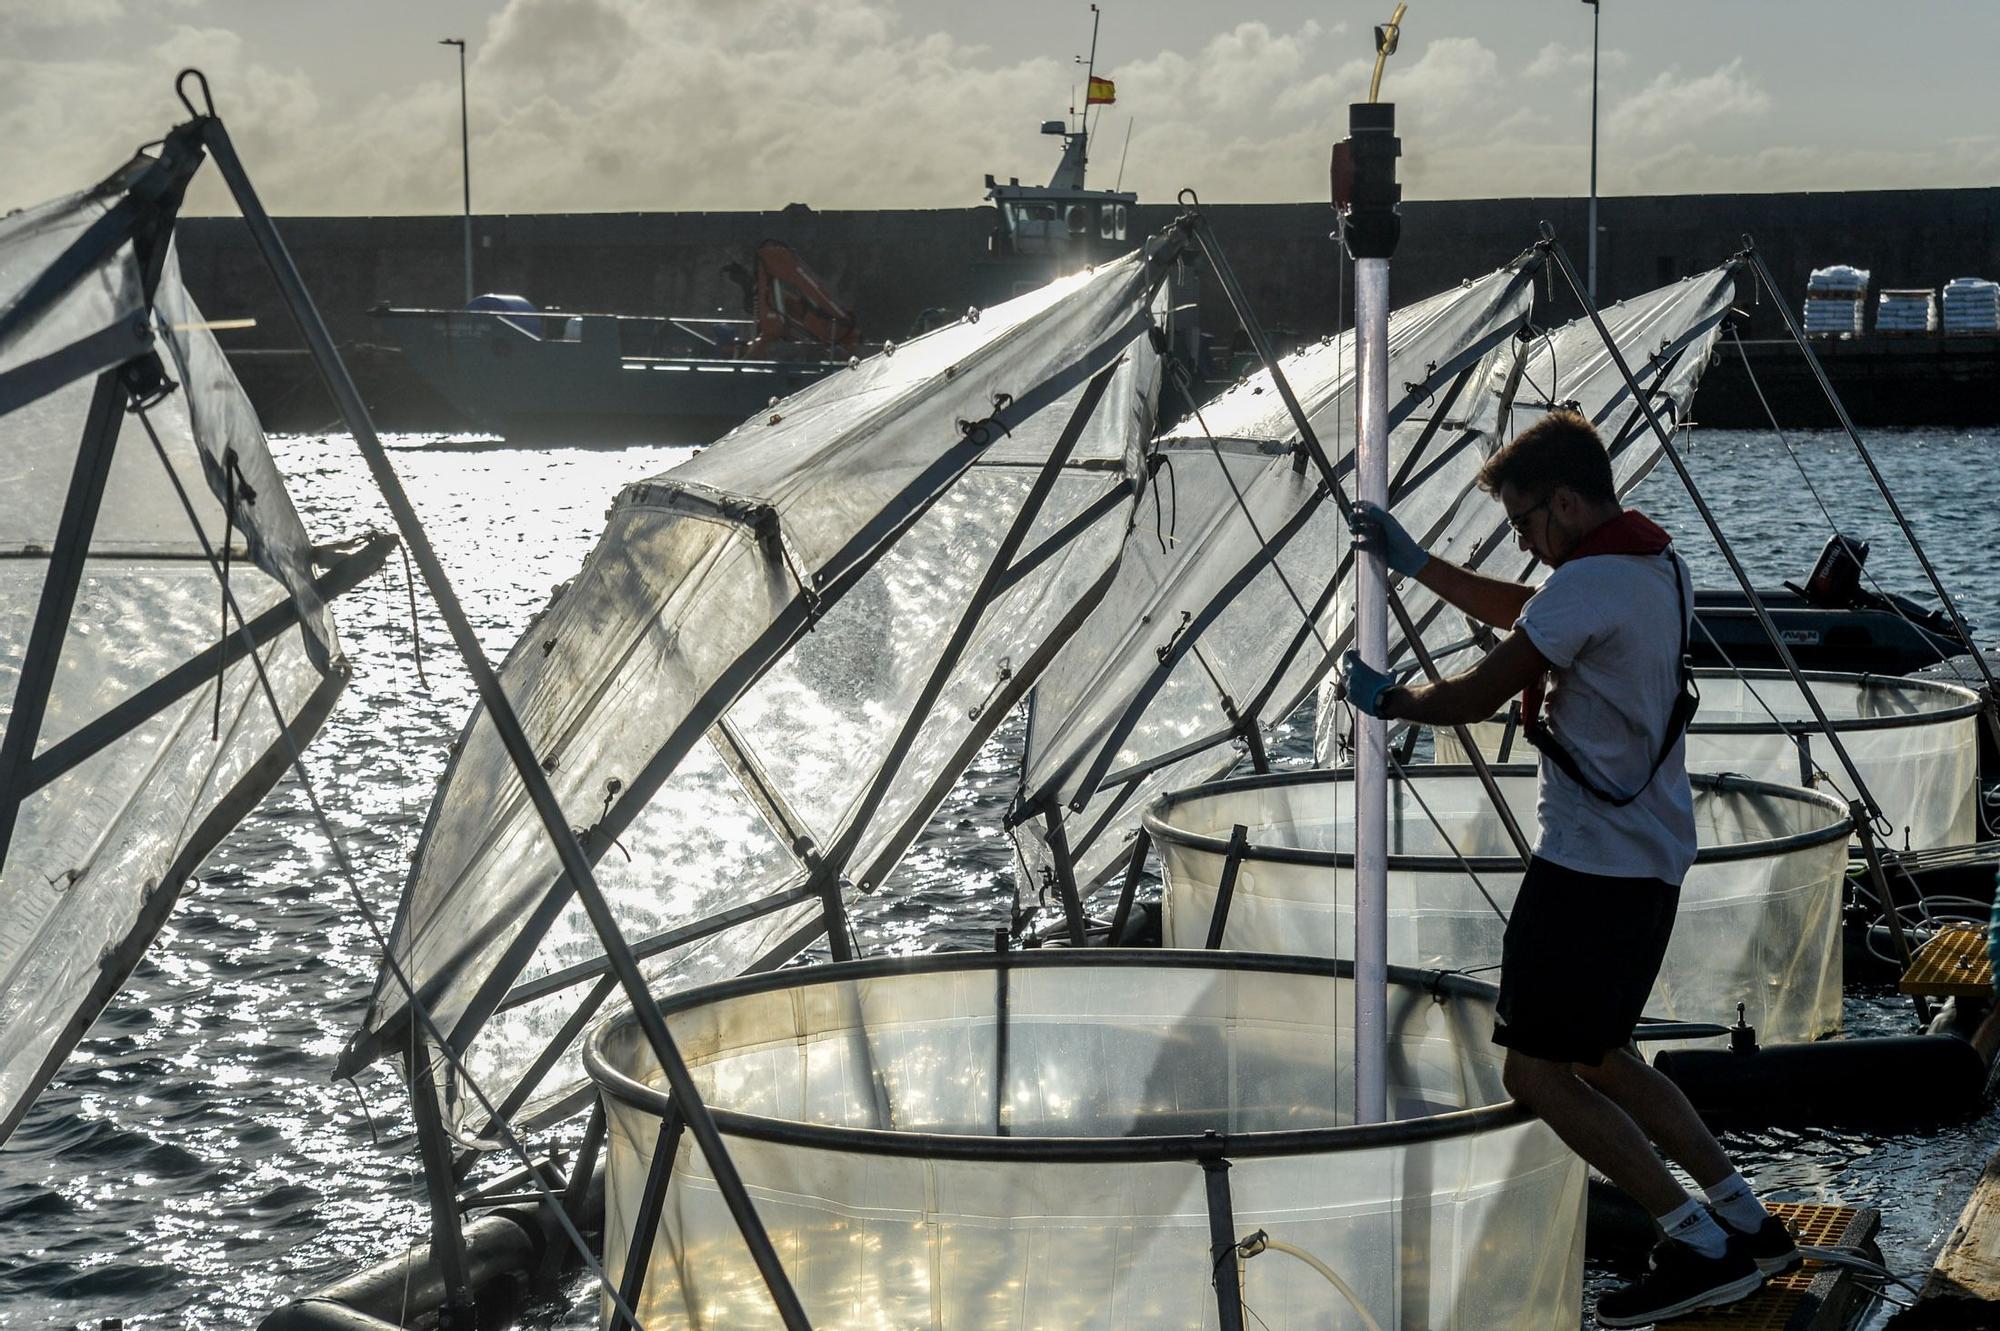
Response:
column 1819, row 773
column 1555, row 374
column 345, row 869
column 1825, row 512
column 1250, row 518
column 1436, row 825
column 1445, row 836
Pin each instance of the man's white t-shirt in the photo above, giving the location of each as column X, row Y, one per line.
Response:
column 1607, row 625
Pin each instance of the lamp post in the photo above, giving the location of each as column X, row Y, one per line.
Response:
column 465, row 156
column 1590, row 283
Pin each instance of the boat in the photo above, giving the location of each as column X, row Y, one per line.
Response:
column 533, row 374
column 530, row 374
column 1040, row 232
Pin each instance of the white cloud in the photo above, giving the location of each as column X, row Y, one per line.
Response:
column 1789, row 167
column 1452, row 74
column 1557, row 59
column 1671, row 105
column 581, row 105
column 24, row 14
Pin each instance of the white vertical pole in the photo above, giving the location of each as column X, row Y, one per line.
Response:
column 1371, row 750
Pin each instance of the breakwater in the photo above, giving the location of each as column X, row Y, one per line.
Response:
column 892, row 265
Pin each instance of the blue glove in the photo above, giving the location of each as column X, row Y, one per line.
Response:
column 1378, row 532
column 1363, row 684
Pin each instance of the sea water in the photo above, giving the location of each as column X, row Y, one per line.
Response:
column 194, row 1165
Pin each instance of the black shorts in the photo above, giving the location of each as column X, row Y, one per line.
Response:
column 1582, row 951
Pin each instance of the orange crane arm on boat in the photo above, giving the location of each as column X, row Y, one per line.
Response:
column 792, row 305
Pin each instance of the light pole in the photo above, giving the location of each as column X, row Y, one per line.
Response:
column 465, row 156
column 1591, row 273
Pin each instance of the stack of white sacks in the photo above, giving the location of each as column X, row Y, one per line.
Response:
column 1972, row 305
column 1834, row 299
column 1906, row 310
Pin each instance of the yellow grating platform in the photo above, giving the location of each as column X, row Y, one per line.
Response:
column 1953, row 964
column 1815, row 1225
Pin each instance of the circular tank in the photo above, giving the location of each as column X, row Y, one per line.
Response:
column 1759, row 917
column 1019, row 1140
column 1915, row 741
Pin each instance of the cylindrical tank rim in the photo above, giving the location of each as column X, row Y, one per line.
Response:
column 1963, row 703
column 1840, row 828
column 1107, row 1150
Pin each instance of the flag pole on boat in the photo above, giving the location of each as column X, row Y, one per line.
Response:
column 1089, row 84
column 1366, row 193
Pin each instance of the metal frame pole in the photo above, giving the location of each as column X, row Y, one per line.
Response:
column 447, row 1235
column 652, row 1202
column 1313, row 453
column 1134, row 867
column 575, row 1191
column 575, row 864
column 1002, row 1006
column 65, row 573
column 1225, row 889
column 1222, row 1244
column 1873, row 854
column 1065, row 871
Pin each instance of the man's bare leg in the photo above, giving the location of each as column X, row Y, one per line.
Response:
column 1662, row 1112
column 1594, row 1126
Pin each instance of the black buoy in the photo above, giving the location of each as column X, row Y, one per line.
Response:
column 503, row 1249
column 1881, row 1080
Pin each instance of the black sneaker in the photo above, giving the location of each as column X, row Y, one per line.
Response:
column 1681, row 1281
column 1771, row 1245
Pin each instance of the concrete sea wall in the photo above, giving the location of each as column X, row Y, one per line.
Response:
column 889, row 266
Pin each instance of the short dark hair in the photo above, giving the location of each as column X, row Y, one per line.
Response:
column 1562, row 448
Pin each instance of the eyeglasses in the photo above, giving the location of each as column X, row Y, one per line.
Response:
column 1519, row 521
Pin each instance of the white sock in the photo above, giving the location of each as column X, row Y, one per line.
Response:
column 1690, row 1224
column 1735, row 1203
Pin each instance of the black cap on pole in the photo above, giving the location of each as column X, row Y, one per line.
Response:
column 1363, row 176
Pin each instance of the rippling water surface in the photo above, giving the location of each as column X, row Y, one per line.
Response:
column 193, row 1165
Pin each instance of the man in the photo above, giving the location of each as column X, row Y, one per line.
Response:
column 1616, row 836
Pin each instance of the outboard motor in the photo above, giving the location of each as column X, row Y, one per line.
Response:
column 1835, row 580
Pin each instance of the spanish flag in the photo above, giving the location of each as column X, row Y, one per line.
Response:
column 1103, row 92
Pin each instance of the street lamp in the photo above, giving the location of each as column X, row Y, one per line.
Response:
column 1591, row 283
column 465, row 155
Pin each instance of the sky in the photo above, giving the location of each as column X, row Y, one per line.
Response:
column 351, row 106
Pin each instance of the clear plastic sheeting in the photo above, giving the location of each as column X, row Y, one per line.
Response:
column 1915, row 742
column 139, row 770
column 1759, row 918
column 1666, row 337
column 966, row 1140
column 1226, row 607
column 772, row 667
